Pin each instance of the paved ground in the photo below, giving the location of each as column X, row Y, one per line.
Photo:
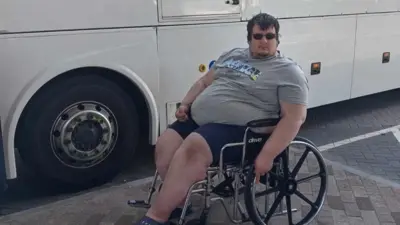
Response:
column 347, row 119
column 351, row 200
column 28, row 191
column 378, row 156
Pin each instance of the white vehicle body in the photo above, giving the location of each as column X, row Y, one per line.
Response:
column 159, row 45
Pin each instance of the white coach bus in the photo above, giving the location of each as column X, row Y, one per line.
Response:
column 82, row 82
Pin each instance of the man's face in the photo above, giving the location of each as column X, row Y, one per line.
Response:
column 263, row 42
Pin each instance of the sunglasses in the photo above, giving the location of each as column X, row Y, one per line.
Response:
column 268, row 36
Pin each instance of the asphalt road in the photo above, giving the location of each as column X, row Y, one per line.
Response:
column 324, row 125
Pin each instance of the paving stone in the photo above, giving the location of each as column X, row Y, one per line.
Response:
column 343, row 185
column 125, row 220
column 340, row 175
column 369, row 217
column 385, row 217
column 364, row 203
column 111, row 216
column 332, row 187
column 325, row 220
column 351, row 209
column 354, row 181
column 396, row 217
column 347, row 196
column 95, row 219
column 356, row 220
column 305, row 188
column 359, row 191
column 335, row 202
column 326, row 211
column 339, row 217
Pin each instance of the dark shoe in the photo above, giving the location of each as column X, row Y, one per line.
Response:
column 178, row 212
column 149, row 221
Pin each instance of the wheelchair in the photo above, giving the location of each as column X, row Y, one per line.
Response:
column 239, row 178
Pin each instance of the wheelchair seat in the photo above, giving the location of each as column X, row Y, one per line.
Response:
column 238, row 178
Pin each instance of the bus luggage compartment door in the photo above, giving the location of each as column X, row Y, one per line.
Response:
column 199, row 10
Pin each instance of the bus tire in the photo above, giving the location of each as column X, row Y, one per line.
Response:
column 80, row 131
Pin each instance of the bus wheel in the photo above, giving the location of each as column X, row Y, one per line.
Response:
column 80, row 131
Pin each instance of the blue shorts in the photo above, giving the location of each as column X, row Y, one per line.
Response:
column 216, row 135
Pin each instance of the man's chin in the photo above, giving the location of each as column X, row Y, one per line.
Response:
column 262, row 54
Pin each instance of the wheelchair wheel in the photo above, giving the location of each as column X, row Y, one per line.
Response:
column 285, row 184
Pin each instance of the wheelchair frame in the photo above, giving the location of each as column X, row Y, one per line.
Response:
column 239, row 177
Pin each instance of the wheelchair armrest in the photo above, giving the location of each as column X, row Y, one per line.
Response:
column 263, row 123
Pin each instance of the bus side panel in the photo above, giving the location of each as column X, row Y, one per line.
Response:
column 305, row 8
column 328, row 40
column 182, row 49
column 39, row 15
column 376, row 34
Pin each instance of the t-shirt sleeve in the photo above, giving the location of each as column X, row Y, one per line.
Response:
column 294, row 87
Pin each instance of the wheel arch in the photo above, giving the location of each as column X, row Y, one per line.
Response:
column 47, row 76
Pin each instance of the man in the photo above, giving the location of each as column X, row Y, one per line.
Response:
column 243, row 85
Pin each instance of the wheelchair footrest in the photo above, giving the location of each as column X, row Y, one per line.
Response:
column 138, row 204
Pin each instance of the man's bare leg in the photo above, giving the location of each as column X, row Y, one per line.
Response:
column 166, row 147
column 195, row 157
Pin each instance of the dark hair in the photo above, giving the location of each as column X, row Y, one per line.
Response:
column 265, row 21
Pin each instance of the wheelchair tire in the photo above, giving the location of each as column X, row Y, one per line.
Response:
column 250, row 201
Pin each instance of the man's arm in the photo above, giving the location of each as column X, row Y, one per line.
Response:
column 293, row 116
column 203, row 82
column 198, row 87
column 293, row 99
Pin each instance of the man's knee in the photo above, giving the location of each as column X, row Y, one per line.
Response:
column 195, row 153
column 166, row 146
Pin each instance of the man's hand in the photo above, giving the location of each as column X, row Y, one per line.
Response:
column 263, row 165
column 182, row 113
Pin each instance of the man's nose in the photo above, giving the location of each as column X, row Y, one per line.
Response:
column 264, row 39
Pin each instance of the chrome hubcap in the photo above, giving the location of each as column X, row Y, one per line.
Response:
column 84, row 134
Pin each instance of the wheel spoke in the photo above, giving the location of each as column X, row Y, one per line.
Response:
column 267, row 192
column 289, row 209
column 312, row 204
column 306, row 179
column 273, row 207
column 300, row 163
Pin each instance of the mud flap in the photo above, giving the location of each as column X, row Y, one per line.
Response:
column 3, row 183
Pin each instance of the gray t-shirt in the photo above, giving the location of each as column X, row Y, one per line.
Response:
column 247, row 89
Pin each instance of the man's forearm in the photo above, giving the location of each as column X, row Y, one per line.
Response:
column 193, row 92
column 285, row 131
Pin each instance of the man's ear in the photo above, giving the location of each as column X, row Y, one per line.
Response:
column 278, row 39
